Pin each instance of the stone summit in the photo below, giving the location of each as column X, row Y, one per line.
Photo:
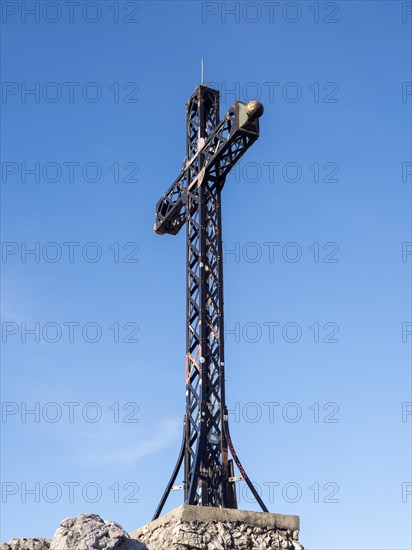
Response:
column 185, row 528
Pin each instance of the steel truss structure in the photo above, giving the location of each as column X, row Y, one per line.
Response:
column 212, row 148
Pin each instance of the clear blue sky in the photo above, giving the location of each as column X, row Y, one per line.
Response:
column 317, row 424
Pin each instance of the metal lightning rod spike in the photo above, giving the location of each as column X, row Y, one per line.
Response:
column 203, row 70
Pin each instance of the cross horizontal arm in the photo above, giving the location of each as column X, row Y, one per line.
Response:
column 230, row 140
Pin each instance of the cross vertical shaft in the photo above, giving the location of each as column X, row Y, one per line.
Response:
column 206, row 464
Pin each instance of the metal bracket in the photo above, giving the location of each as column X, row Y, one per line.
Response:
column 236, row 478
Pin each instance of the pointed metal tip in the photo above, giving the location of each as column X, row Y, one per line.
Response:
column 203, row 70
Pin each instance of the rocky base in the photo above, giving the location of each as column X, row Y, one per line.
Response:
column 186, row 528
column 87, row 531
column 215, row 535
column 204, row 528
column 26, row 544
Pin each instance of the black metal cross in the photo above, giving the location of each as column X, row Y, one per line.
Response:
column 194, row 199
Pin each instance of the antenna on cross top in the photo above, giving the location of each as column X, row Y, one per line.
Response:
column 203, row 70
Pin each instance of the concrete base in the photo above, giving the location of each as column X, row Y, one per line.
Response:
column 187, row 513
column 202, row 527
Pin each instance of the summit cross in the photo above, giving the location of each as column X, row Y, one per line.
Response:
column 213, row 147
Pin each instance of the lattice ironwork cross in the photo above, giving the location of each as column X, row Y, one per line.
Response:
column 213, row 147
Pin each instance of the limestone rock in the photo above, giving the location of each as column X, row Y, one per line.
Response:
column 89, row 531
column 26, row 544
column 218, row 535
